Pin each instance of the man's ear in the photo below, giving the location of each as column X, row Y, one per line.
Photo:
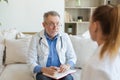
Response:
column 43, row 24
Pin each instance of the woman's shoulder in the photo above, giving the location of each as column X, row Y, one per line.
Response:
column 106, row 64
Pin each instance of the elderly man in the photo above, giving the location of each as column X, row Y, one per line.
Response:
column 51, row 49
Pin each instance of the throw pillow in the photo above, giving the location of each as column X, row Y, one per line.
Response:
column 17, row 51
column 9, row 33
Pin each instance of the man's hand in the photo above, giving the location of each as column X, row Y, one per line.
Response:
column 49, row 70
column 64, row 67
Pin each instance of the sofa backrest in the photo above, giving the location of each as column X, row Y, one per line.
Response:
column 84, row 48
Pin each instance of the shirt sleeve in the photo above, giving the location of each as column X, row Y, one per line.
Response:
column 71, row 64
column 37, row 69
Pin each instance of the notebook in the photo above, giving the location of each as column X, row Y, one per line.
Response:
column 58, row 75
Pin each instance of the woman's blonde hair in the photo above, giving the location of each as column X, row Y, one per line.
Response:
column 109, row 18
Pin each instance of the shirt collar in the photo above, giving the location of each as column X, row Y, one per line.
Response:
column 47, row 36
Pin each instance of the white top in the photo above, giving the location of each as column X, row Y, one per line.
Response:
column 104, row 69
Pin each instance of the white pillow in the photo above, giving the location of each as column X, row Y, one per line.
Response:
column 17, row 51
column 9, row 33
column 16, row 72
column 84, row 48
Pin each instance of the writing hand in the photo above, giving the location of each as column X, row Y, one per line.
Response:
column 64, row 67
column 49, row 70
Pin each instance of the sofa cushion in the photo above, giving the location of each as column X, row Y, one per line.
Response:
column 84, row 48
column 17, row 51
column 16, row 72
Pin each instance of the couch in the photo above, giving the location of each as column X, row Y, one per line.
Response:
column 13, row 54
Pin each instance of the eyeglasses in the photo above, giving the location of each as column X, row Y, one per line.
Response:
column 54, row 24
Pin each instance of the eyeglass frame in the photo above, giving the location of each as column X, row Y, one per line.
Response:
column 53, row 24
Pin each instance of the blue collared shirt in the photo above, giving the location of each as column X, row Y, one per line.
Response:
column 53, row 59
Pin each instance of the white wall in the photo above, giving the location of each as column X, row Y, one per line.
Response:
column 27, row 15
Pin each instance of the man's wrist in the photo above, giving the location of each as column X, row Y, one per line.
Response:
column 43, row 69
